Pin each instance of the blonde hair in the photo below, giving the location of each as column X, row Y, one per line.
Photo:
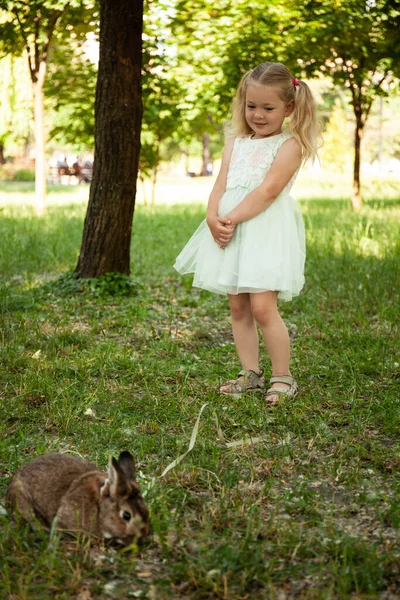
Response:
column 303, row 122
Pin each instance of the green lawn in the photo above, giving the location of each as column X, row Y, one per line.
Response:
column 309, row 511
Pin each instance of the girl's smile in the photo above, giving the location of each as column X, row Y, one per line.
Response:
column 265, row 110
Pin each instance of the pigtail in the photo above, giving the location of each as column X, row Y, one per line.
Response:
column 304, row 124
column 237, row 126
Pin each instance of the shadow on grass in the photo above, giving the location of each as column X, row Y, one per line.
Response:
column 309, row 511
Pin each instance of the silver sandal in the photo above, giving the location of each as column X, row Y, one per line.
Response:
column 246, row 381
column 288, row 393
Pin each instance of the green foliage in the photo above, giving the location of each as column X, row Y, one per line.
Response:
column 161, row 91
column 111, row 284
column 337, row 149
column 354, row 42
column 161, row 117
column 24, row 175
column 15, row 101
column 194, row 54
column 32, row 28
column 67, row 284
column 239, row 36
column 70, row 92
column 25, row 24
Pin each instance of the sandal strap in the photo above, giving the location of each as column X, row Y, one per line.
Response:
column 236, row 385
column 240, row 385
column 289, row 393
column 254, row 378
column 288, row 379
column 243, row 373
column 276, row 391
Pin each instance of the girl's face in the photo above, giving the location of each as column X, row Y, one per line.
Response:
column 265, row 110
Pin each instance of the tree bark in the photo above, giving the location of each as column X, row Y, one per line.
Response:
column 154, row 174
column 206, row 153
column 37, row 55
column 356, row 197
column 40, row 142
column 118, row 114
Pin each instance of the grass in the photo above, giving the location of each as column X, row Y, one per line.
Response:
column 310, row 511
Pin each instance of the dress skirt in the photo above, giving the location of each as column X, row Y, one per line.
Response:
column 266, row 253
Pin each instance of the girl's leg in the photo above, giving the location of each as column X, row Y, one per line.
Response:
column 265, row 311
column 244, row 333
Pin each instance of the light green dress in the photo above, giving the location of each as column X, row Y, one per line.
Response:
column 265, row 253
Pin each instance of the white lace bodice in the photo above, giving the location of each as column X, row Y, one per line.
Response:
column 251, row 160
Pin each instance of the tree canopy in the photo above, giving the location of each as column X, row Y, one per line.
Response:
column 194, row 53
column 357, row 44
column 29, row 28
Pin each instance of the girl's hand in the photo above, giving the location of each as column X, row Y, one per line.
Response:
column 221, row 229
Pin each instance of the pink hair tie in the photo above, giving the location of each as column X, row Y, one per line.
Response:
column 295, row 82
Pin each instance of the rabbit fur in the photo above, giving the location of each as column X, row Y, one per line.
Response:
column 80, row 497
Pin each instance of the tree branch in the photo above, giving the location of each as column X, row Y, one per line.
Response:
column 366, row 111
column 379, row 84
column 369, row 102
column 26, row 45
column 50, row 30
column 36, row 45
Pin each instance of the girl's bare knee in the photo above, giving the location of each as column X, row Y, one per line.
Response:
column 264, row 309
column 264, row 316
column 240, row 307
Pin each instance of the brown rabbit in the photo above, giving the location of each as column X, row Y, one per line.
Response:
column 80, row 497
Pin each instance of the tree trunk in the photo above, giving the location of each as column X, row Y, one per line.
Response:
column 118, row 114
column 184, row 164
column 356, row 198
column 154, row 174
column 206, row 154
column 143, row 190
column 2, row 157
column 153, row 184
column 40, row 142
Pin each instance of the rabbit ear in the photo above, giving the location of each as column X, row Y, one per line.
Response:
column 105, row 488
column 127, row 464
column 120, row 472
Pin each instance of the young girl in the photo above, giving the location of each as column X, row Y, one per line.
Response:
column 252, row 244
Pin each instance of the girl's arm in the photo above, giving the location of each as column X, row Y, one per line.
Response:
column 220, row 227
column 285, row 164
column 220, row 183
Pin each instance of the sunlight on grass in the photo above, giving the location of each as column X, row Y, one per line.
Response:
column 309, row 511
column 171, row 189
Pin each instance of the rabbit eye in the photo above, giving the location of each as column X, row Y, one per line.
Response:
column 126, row 515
